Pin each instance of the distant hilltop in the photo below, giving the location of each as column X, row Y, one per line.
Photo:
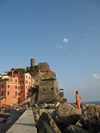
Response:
column 41, row 67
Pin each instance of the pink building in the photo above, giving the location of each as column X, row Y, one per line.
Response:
column 14, row 88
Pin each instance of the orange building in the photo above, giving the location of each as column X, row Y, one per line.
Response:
column 14, row 87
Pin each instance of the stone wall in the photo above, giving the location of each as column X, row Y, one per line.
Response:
column 48, row 91
column 43, row 66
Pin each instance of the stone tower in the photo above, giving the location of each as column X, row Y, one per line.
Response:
column 32, row 62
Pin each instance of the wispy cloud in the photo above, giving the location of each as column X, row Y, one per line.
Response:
column 65, row 49
column 87, row 34
column 96, row 76
column 91, row 28
column 65, row 40
column 61, row 47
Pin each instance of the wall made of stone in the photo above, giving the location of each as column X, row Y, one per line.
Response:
column 56, row 89
column 43, row 66
column 48, row 90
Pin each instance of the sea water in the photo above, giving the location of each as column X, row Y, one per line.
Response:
column 93, row 102
column 90, row 102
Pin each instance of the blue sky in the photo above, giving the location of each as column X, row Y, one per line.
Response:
column 66, row 34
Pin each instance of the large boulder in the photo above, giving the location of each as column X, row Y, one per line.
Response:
column 47, row 106
column 91, row 118
column 43, row 110
column 60, row 99
column 74, row 129
column 68, row 114
column 36, row 114
column 84, row 105
column 46, row 124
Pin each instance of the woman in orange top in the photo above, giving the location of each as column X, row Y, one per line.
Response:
column 78, row 98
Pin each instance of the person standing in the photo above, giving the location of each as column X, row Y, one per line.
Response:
column 78, row 99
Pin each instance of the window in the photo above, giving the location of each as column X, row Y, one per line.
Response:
column 2, row 86
column 15, row 93
column 18, row 99
column 15, row 87
column 7, row 92
column 18, row 94
column 21, row 87
column 43, row 89
column 29, row 77
column 21, row 76
column 10, row 79
column 36, row 80
column 26, row 87
column 21, row 82
column 2, row 92
column 51, row 88
column 26, row 76
column 18, row 87
column 21, row 91
column 8, row 86
column 16, row 80
column 26, row 82
column 29, row 82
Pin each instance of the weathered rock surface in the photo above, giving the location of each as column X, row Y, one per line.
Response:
column 47, row 106
column 84, row 105
column 74, row 129
column 67, row 118
column 36, row 114
column 67, row 114
column 60, row 99
column 46, row 124
column 91, row 118
column 78, row 123
column 43, row 110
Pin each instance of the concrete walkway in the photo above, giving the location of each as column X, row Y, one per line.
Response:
column 25, row 124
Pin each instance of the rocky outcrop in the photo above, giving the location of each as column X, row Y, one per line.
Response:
column 67, row 118
column 67, row 114
column 91, row 118
column 46, row 124
column 74, row 129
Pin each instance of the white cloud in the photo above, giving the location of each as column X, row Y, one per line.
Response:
column 65, row 40
column 96, row 76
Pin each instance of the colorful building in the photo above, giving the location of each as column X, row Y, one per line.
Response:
column 14, row 87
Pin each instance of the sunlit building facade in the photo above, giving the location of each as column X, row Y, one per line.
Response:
column 14, row 87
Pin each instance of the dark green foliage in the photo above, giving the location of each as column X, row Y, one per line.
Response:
column 28, row 69
column 21, row 70
column 33, row 68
